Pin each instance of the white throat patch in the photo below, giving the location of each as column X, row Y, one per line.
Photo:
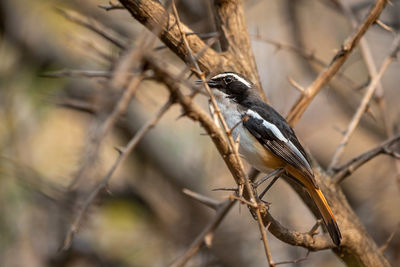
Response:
column 237, row 77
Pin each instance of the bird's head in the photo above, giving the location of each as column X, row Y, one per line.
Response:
column 233, row 85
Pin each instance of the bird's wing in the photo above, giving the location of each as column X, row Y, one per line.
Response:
column 272, row 131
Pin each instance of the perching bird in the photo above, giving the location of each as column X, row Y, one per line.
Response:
column 266, row 139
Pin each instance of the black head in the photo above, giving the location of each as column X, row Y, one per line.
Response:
column 232, row 84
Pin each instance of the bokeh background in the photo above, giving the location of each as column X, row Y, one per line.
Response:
column 144, row 219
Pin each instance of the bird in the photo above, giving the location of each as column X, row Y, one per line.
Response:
column 266, row 140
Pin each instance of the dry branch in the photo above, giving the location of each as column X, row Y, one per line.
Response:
column 209, row 202
column 221, row 210
column 338, row 60
column 152, row 14
column 94, row 26
column 348, row 168
column 306, row 54
column 78, row 73
column 124, row 153
column 364, row 103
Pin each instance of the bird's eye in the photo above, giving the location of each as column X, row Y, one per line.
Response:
column 228, row 79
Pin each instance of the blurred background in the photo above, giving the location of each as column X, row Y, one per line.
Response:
column 143, row 218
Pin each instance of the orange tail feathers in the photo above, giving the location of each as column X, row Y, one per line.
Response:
column 326, row 214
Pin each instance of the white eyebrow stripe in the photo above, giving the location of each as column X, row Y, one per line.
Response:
column 268, row 125
column 241, row 79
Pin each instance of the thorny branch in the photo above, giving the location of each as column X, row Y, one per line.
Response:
column 233, row 146
column 95, row 26
column 124, row 152
column 348, row 168
column 337, row 61
column 364, row 103
column 306, row 54
column 205, row 237
column 105, row 127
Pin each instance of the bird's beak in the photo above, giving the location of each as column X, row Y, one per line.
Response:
column 210, row 83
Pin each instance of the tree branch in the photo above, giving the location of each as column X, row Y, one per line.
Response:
column 235, row 39
column 338, row 60
column 205, row 236
column 364, row 103
column 348, row 168
column 122, row 156
column 153, row 15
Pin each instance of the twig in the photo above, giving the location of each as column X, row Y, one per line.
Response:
column 385, row 27
column 364, row 46
column 152, row 14
column 94, row 26
column 124, row 152
column 77, row 73
column 225, row 189
column 209, row 202
column 348, row 168
column 296, row 260
column 105, row 127
column 389, row 239
column 364, row 103
column 76, row 104
column 222, row 210
column 306, row 54
column 266, row 244
column 372, row 69
column 338, row 60
column 296, row 85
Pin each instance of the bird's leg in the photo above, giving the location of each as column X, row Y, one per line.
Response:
column 269, row 186
column 276, row 172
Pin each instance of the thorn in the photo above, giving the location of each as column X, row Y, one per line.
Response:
column 181, row 116
column 108, row 190
column 208, row 239
column 213, row 113
column 120, row 150
column 225, row 189
column 369, row 111
column 341, row 131
column 241, row 188
column 384, row 26
column 296, row 85
column 237, row 143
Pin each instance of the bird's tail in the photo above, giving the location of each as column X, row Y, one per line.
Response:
column 326, row 214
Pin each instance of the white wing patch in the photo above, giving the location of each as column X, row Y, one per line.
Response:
column 298, row 153
column 278, row 134
column 237, row 77
column 269, row 126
